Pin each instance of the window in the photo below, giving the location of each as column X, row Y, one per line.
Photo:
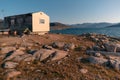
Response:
column 42, row 21
column 12, row 22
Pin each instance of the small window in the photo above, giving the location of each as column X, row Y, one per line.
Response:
column 42, row 21
column 12, row 21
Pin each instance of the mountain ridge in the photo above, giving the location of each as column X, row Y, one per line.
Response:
column 60, row 26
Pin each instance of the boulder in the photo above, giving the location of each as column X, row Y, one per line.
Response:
column 58, row 45
column 6, row 50
column 47, row 47
column 96, row 48
column 42, row 54
column 69, row 46
column 9, row 65
column 96, row 60
column 10, row 56
column 29, row 59
column 118, row 48
column 24, row 57
column 115, row 64
column 45, row 54
column 59, row 54
column 91, row 52
column 97, row 54
column 112, row 47
column 11, row 74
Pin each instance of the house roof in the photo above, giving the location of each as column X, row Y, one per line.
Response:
column 23, row 14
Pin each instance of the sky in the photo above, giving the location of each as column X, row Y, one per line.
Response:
column 66, row 11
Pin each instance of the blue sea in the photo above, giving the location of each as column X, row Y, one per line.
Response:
column 111, row 31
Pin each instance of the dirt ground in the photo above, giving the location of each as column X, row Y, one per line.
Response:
column 64, row 69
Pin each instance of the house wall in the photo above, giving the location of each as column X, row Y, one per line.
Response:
column 19, row 22
column 40, row 22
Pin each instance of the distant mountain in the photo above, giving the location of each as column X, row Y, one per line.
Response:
column 115, row 25
column 58, row 26
column 92, row 25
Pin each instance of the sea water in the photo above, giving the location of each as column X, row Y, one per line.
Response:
column 111, row 31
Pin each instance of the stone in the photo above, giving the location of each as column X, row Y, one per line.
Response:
column 47, row 47
column 6, row 50
column 91, row 52
column 110, row 47
column 96, row 48
column 12, row 74
column 113, row 57
column 29, row 59
column 42, row 54
column 115, row 64
column 83, row 71
column 95, row 39
column 118, row 48
column 59, row 55
column 96, row 60
column 24, row 57
column 9, row 65
column 97, row 54
column 10, row 56
column 69, row 46
column 58, row 45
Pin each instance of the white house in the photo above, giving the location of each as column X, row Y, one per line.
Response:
column 37, row 22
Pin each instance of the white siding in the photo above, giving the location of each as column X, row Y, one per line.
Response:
column 40, row 22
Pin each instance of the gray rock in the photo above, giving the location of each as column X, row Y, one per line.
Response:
column 9, row 65
column 58, row 45
column 6, row 50
column 118, row 48
column 110, row 47
column 91, row 52
column 47, row 47
column 45, row 54
column 97, row 54
column 115, row 64
column 59, row 55
column 69, row 46
column 10, row 56
column 114, row 61
column 24, row 57
column 29, row 59
column 42, row 54
column 96, row 48
column 96, row 60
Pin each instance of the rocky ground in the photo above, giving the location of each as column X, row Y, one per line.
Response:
column 59, row 57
